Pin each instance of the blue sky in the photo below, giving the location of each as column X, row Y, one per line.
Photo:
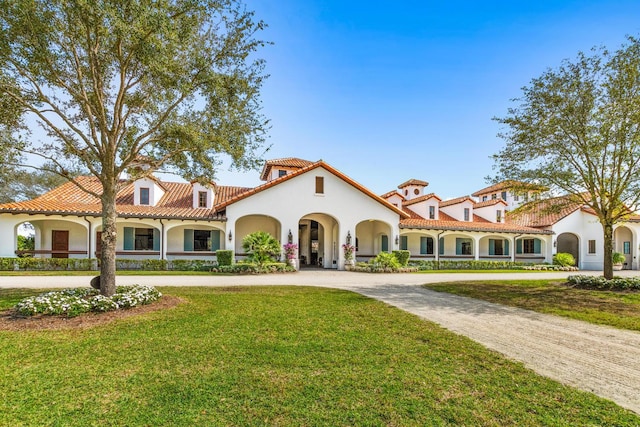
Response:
column 388, row 91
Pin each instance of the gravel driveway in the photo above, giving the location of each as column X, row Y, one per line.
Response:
column 601, row 360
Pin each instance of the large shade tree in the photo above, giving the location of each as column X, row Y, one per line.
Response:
column 130, row 86
column 576, row 129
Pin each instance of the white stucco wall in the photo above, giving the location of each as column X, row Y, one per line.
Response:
column 586, row 227
column 291, row 200
column 457, row 211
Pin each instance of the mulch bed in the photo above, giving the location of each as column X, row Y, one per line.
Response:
column 10, row 321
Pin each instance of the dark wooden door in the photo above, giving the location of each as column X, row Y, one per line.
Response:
column 60, row 242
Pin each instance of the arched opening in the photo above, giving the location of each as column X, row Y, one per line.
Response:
column 421, row 245
column 135, row 240
column 51, row 238
column 495, row 247
column 623, row 239
column 373, row 236
column 318, row 241
column 194, row 241
column 457, row 246
column 570, row 244
column 250, row 224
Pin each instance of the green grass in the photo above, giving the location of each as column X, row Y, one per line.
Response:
column 617, row 309
column 277, row 356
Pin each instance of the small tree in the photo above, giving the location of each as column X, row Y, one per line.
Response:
column 129, row 86
column 261, row 247
column 576, row 130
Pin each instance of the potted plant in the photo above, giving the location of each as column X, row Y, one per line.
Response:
column 618, row 260
column 348, row 253
column 291, row 252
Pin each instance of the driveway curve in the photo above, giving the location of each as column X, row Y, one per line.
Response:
column 597, row 359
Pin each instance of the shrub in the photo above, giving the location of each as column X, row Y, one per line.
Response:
column 618, row 258
column 72, row 302
column 402, row 257
column 564, row 259
column 466, row 265
column 250, row 268
column 191, row 265
column 385, row 260
column 600, row 283
column 225, row 257
column 261, row 247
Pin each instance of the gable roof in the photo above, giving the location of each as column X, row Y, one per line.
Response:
column 489, row 203
column 312, row 166
column 287, row 162
column 413, row 182
column 456, row 201
column 391, row 194
column 69, row 199
column 506, row 185
column 421, row 199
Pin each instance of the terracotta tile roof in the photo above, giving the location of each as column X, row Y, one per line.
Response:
column 392, row 193
column 445, row 222
column 506, row 185
column 288, row 162
column 489, row 203
column 413, row 182
column 176, row 203
column 318, row 164
column 421, row 199
column 544, row 213
column 456, row 201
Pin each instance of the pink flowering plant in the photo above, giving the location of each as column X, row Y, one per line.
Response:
column 348, row 251
column 290, row 250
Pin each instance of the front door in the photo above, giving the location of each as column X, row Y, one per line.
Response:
column 60, row 242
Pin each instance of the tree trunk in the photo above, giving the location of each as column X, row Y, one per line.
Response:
column 108, row 243
column 608, row 250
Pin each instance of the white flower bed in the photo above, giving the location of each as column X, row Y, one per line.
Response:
column 72, row 302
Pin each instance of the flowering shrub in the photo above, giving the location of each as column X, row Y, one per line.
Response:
column 348, row 251
column 72, row 302
column 547, row 267
column 290, row 250
column 600, row 283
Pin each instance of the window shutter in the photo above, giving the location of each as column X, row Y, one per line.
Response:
column 385, row 243
column 156, row 239
column 536, row 246
column 128, row 238
column 492, row 247
column 404, row 243
column 441, row 246
column 319, row 185
column 423, row 245
column 188, row 240
column 215, row 240
column 519, row 246
column 506, row 247
column 458, row 246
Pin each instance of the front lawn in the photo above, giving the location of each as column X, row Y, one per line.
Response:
column 617, row 309
column 286, row 356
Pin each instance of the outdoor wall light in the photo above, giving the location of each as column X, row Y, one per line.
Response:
column 290, row 237
column 397, row 239
column 348, row 237
column 230, row 236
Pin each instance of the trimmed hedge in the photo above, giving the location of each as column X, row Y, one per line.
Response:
column 48, row 264
column 249, row 268
column 467, row 265
column 602, row 284
column 224, row 256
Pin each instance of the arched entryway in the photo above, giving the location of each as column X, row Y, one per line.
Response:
column 570, row 244
column 372, row 237
column 623, row 238
column 318, row 236
column 250, row 224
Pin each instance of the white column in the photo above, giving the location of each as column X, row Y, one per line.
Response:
column 476, row 248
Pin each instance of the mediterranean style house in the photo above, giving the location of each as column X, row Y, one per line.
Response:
column 317, row 207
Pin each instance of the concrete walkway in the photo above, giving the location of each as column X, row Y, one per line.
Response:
column 601, row 360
